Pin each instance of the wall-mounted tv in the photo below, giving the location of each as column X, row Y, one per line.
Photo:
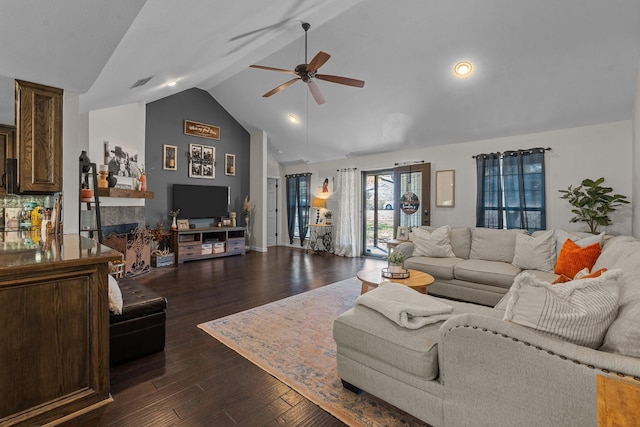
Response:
column 201, row 201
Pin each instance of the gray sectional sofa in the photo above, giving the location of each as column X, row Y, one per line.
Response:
column 476, row 369
column 482, row 270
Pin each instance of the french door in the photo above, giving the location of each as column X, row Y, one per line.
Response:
column 379, row 203
column 412, row 186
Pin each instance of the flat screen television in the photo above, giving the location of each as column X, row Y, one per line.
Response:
column 201, row 201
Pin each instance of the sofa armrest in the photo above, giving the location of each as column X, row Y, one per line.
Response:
column 500, row 373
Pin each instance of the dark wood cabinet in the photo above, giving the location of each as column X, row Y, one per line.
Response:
column 7, row 151
column 55, row 327
column 39, row 137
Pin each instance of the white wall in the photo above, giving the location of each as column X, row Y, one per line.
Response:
column 258, row 190
column 577, row 153
column 74, row 127
column 123, row 125
column 636, row 161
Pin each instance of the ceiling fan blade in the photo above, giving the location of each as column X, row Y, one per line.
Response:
column 318, row 61
column 281, row 70
column 315, row 92
column 341, row 80
column 279, row 88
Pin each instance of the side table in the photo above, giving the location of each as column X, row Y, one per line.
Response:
column 321, row 238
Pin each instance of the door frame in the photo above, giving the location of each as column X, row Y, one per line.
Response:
column 425, row 202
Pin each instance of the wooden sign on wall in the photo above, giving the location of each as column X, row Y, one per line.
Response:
column 201, row 129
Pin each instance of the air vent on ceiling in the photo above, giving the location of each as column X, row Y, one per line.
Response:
column 141, row 82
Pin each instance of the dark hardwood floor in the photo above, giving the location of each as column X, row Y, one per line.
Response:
column 197, row 381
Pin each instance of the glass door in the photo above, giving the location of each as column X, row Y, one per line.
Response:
column 379, row 204
column 413, row 190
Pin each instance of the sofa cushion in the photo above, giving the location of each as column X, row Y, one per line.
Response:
column 436, row 243
column 579, row 311
column 414, row 351
column 439, row 268
column 535, row 253
column 623, row 335
column 460, row 238
column 574, row 258
column 493, row 245
column 493, row 273
column 580, row 239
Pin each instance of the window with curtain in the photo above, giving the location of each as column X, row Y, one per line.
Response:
column 298, row 203
column 511, row 190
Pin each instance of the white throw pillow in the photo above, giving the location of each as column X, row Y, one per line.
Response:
column 562, row 236
column 115, row 296
column 435, row 244
column 579, row 311
column 535, row 253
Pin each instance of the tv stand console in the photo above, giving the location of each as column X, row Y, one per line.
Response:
column 207, row 242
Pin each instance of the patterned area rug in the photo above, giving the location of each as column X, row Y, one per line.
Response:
column 292, row 340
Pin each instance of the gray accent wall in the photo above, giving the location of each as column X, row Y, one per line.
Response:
column 165, row 125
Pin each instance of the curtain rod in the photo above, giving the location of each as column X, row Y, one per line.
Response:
column 346, row 169
column 530, row 149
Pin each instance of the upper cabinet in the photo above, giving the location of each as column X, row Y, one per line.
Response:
column 39, row 137
column 7, row 149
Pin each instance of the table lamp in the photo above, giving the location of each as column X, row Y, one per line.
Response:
column 318, row 203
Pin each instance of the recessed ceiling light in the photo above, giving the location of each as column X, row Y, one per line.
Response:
column 172, row 83
column 293, row 118
column 463, row 69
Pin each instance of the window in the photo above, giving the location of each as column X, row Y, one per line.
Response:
column 511, row 190
column 298, row 203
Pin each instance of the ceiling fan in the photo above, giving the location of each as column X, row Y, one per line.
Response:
column 308, row 71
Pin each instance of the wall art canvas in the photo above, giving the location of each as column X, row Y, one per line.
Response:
column 122, row 161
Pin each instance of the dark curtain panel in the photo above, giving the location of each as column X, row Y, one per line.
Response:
column 292, row 204
column 304, row 203
column 524, row 189
column 489, row 193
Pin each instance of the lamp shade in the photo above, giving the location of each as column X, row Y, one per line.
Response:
column 318, row 203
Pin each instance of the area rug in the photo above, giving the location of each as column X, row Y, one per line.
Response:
column 292, row 340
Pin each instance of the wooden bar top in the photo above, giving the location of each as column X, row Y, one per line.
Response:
column 68, row 250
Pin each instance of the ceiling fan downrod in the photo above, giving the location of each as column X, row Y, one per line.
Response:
column 305, row 27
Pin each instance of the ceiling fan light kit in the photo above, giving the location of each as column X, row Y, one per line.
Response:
column 308, row 71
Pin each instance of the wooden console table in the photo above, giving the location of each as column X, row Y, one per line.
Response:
column 55, row 352
column 207, row 242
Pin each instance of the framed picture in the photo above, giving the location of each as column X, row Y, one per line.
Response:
column 403, row 233
column 446, row 188
column 226, row 222
column 122, row 161
column 230, row 164
column 183, row 224
column 202, row 161
column 169, row 157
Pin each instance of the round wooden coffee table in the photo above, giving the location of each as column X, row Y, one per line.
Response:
column 417, row 280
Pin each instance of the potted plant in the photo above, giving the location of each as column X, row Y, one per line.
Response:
column 327, row 217
column 592, row 203
column 396, row 260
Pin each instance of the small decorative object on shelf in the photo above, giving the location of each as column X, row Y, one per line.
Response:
column 86, row 193
column 111, row 180
column 403, row 274
column 85, row 162
column 174, row 214
column 104, row 172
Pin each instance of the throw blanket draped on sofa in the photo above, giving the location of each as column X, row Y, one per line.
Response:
column 405, row 306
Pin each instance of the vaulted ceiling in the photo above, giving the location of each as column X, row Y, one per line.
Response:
column 538, row 65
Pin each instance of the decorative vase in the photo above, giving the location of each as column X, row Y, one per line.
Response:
column 102, row 182
column 85, row 162
column 143, row 183
column 86, row 194
column 174, row 224
column 112, row 180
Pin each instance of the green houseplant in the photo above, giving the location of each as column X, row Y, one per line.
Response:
column 592, row 203
column 395, row 260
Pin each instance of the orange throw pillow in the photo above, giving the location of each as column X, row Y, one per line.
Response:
column 573, row 258
column 593, row 274
column 561, row 279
